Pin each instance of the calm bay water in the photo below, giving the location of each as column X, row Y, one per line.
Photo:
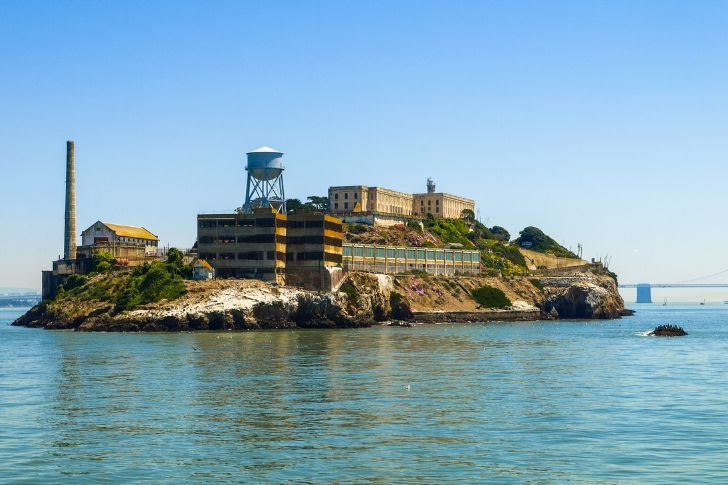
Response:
column 522, row 402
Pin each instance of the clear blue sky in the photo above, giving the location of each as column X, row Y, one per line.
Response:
column 603, row 123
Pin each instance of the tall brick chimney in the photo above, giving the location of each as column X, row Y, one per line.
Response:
column 69, row 241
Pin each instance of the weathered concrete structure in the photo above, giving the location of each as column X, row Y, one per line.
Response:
column 69, row 240
column 301, row 250
column 106, row 233
column 313, row 250
column 242, row 245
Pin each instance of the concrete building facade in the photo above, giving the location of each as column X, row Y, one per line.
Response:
column 353, row 200
column 442, row 205
column 302, row 249
column 241, row 245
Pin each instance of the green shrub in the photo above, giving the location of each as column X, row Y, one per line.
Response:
column 450, row 231
column 490, row 297
column 536, row 283
column 414, row 225
column 75, row 281
column 534, row 238
column 102, row 262
column 350, row 290
column 356, row 228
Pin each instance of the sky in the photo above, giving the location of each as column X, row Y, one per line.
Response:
column 602, row 123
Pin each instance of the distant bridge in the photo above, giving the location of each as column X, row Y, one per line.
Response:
column 26, row 299
column 644, row 290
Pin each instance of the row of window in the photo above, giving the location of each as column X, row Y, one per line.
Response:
column 230, row 222
column 346, row 196
column 271, row 255
column 268, row 222
column 148, row 242
column 244, row 256
column 329, row 241
column 251, row 239
column 401, row 253
column 270, row 239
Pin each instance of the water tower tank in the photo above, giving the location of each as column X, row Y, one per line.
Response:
column 265, row 163
column 265, row 180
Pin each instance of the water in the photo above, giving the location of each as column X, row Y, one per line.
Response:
column 522, row 402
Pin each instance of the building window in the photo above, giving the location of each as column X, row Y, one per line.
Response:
column 437, row 202
column 346, row 205
column 336, row 196
column 437, row 209
column 346, row 195
column 336, row 205
column 356, row 195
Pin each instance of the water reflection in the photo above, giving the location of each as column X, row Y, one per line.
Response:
column 431, row 403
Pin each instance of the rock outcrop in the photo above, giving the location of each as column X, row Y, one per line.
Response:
column 667, row 331
column 582, row 295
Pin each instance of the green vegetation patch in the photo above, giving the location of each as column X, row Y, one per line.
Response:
column 144, row 284
column 534, row 239
column 450, row 231
column 490, row 297
column 536, row 283
column 350, row 290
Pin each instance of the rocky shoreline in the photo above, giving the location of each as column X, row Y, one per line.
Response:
column 363, row 300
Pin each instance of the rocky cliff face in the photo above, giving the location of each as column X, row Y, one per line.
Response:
column 364, row 299
column 582, row 295
column 225, row 304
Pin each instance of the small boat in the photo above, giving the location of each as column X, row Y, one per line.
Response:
column 664, row 303
column 703, row 302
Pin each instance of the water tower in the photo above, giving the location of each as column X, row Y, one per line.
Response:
column 265, row 180
column 430, row 186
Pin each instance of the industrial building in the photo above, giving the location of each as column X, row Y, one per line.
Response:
column 128, row 245
column 244, row 245
column 380, row 206
column 299, row 249
column 108, row 234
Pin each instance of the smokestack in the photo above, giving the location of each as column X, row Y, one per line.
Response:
column 69, row 241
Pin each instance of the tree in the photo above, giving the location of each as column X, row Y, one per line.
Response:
column 294, row 205
column 534, row 238
column 500, row 233
column 102, row 262
column 175, row 257
column 467, row 215
column 318, row 203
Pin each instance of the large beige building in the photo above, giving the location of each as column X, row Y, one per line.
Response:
column 360, row 198
column 353, row 199
column 440, row 204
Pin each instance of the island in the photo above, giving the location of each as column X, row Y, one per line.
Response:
column 543, row 282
